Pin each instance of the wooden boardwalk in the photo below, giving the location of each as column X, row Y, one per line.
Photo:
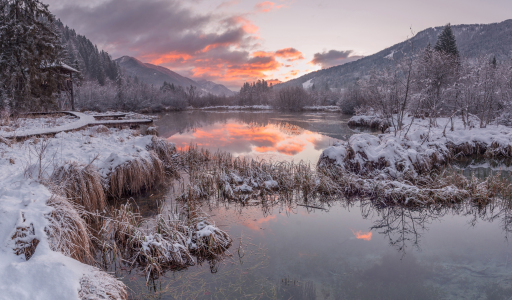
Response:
column 84, row 120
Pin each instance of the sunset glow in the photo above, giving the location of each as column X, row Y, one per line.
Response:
column 285, row 140
column 367, row 236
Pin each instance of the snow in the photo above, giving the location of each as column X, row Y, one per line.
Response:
column 331, row 108
column 390, row 55
column 244, row 188
column 37, row 122
column 308, row 84
column 390, row 156
column 23, row 203
column 83, row 121
column 239, row 107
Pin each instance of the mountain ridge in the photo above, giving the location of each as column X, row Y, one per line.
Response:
column 157, row 75
column 473, row 40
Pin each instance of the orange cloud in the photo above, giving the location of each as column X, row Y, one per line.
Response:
column 367, row 236
column 273, row 81
column 256, row 225
column 246, row 25
column 267, row 6
column 293, row 72
column 290, row 54
column 291, row 148
column 254, row 68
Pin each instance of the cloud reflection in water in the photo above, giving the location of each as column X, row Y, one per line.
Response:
column 281, row 140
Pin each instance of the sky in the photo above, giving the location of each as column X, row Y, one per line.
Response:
column 234, row 41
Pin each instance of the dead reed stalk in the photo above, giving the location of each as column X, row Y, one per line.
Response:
column 67, row 231
column 82, row 184
column 136, row 175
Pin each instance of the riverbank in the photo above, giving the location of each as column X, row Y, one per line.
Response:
column 408, row 165
column 56, row 205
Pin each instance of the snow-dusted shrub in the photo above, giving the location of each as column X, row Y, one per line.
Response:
column 24, row 240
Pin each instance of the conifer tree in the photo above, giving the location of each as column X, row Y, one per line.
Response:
column 30, row 47
column 446, row 42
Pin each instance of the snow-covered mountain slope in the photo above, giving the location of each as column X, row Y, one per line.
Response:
column 157, row 75
column 472, row 41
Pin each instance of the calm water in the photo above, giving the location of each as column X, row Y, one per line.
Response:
column 266, row 135
column 348, row 250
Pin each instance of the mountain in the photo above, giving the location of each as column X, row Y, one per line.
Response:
column 215, row 88
column 157, row 75
column 472, row 41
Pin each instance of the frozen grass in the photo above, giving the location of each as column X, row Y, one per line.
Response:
column 81, row 184
column 136, row 175
column 220, row 176
column 101, row 286
column 169, row 242
column 67, row 231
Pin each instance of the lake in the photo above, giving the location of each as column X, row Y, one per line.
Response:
column 345, row 249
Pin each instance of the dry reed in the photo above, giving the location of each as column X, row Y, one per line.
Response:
column 136, row 175
column 82, row 185
column 67, row 231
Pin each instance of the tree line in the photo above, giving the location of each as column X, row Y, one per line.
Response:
column 436, row 83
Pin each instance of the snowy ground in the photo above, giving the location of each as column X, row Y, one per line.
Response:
column 395, row 155
column 330, row 108
column 238, row 107
column 23, row 203
column 78, row 120
column 36, row 122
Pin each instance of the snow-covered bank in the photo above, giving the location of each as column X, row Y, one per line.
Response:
column 330, row 108
column 79, row 120
column 238, row 107
column 49, row 187
column 27, row 210
column 369, row 121
column 403, row 162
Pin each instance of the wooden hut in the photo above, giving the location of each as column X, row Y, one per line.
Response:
column 66, row 84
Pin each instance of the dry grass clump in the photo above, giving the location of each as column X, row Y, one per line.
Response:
column 241, row 179
column 167, row 243
column 81, row 184
column 206, row 240
column 166, row 152
column 136, row 175
column 67, row 231
column 152, row 131
column 101, row 286
column 99, row 129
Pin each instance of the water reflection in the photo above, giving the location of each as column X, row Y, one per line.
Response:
column 344, row 249
column 260, row 135
column 352, row 250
